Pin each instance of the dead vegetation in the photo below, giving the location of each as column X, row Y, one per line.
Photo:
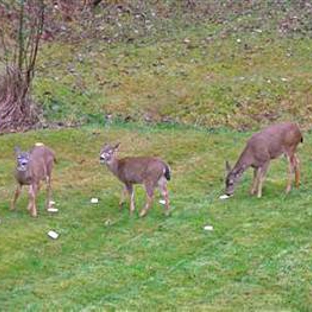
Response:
column 20, row 45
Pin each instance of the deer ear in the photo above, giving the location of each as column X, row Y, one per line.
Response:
column 17, row 150
column 116, row 146
column 227, row 167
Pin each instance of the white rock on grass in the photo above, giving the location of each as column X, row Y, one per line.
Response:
column 224, row 196
column 53, row 210
column 208, row 228
column 94, row 200
column 53, row 234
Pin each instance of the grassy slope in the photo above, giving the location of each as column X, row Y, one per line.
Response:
column 240, row 81
column 257, row 257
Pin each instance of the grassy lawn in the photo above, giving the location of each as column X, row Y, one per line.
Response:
column 257, row 258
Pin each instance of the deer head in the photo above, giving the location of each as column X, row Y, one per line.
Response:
column 108, row 152
column 22, row 159
column 232, row 178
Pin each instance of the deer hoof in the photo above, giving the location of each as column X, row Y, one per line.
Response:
column 143, row 213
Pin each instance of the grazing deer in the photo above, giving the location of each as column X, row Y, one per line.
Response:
column 33, row 167
column 263, row 146
column 149, row 171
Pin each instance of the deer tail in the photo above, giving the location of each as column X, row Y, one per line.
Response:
column 167, row 173
column 301, row 139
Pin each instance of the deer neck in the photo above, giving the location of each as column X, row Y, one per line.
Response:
column 113, row 166
column 243, row 163
column 23, row 177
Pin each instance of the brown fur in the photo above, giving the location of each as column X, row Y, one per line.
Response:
column 260, row 149
column 148, row 171
column 39, row 168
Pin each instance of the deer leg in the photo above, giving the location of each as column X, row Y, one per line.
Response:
column 130, row 190
column 48, row 199
column 261, row 176
column 32, row 199
column 254, row 182
column 16, row 196
column 164, row 192
column 297, row 170
column 290, row 172
column 122, row 197
column 149, row 200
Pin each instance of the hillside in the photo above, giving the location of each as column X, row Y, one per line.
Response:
column 211, row 64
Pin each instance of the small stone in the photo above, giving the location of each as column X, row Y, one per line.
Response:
column 108, row 222
column 52, row 210
column 208, row 228
column 53, row 234
column 224, row 196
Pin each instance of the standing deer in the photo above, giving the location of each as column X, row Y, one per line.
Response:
column 33, row 167
column 263, row 146
column 149, row 171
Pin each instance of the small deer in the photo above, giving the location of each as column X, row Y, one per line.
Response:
column 260, row 149
column 33, row 167
column 149, row 171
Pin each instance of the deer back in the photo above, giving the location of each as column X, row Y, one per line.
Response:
column 274, row 141
column 140, row 169
column 41, row 162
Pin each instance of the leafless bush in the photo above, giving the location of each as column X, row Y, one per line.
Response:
column 18, row 54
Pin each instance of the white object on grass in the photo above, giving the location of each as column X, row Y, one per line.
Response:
column 39, row 144
column 53, row 234
column 53, row 210
column 108, row 222
column 208, row 228
column 224, row 196
column 51, row 202
column 162, row 201
column 94, row 200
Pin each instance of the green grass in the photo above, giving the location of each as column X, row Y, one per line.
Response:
column 213, row 83
column 256, row 259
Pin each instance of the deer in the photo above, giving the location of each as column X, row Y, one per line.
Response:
column 151, row 172
column 32, row 167
column 260, row 149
